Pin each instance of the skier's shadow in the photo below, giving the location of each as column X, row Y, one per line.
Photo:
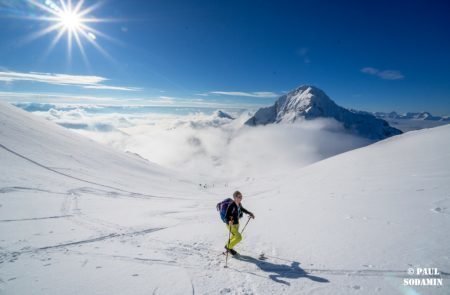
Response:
column 280, row 271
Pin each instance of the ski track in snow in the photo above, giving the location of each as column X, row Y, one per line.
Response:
column 10, row 189
column 35, row 218
column 85, row 180
column 85, row 241
column 70, row 206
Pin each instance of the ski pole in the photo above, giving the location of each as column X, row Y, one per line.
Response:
column 228, row 244
column 245, row 225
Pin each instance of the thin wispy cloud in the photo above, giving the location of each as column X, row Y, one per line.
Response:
column 74, row 99
column 258, row 94
column 383, row 74
column 83, row 81
column 369, row 70
column 167, row 97
column 303, row 52
column 108, row 87
column 391, row 75
column 13, row 97
column 65, row 98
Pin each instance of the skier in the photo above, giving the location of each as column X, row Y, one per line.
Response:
column 233, row 213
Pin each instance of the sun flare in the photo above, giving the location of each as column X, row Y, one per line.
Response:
column 71, row 20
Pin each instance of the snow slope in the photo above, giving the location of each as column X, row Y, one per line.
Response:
column 309, row 102
column 80, row 218
column 60, row 191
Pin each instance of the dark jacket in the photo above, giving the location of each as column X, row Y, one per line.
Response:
column 234, row 212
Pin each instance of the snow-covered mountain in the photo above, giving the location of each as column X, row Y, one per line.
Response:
column 223, row 115
column 77, row 217
column 309, row 102
column 412, row 116
column 412, row 121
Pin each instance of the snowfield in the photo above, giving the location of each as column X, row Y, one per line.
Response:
column 77, row 217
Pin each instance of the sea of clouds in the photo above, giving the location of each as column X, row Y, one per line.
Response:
column 204, row 141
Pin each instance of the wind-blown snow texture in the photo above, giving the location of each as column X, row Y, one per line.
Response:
column 308, row 102
column 80, row 218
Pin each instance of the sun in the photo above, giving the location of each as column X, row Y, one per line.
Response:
column 69, row 19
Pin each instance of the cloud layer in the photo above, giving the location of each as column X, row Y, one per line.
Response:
column 90, row 82
column 210, row 145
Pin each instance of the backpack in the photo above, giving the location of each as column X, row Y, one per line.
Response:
column 222, row 207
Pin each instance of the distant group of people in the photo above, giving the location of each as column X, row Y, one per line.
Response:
column 205, row 186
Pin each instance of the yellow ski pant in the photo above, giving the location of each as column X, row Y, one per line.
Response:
column 235, row 235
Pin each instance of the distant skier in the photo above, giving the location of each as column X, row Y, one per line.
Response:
column 230, row 211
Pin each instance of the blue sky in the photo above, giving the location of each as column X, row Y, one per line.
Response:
column 368, row 55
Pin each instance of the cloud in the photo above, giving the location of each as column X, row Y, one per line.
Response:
column 384, row 74
column 369, row 70
column 303, row 52
column 67, row 98
column 107, row 87
column 168, row 98
column 259, row 94
column 54, row 98
column 83, row 81
column 207, row 144
column 391, row 75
